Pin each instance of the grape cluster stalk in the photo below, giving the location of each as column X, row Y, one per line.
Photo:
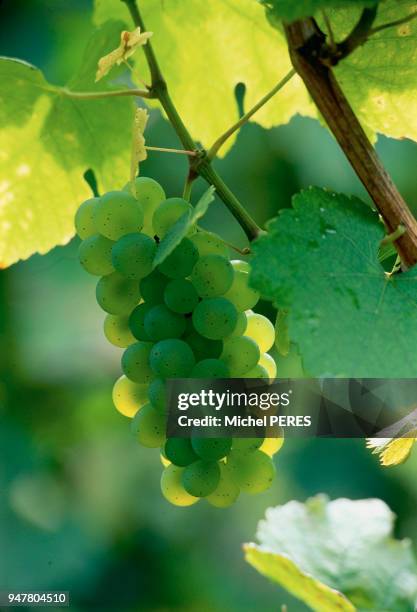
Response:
column 188, row 317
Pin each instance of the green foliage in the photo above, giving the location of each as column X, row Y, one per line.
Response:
column 48, row 140
column 349, row 318
column 289, row 10
column 314, row 548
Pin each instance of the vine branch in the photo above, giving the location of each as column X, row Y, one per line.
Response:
column 199, row 163
column 305, row 41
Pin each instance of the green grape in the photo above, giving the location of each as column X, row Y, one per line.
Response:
column 118, row 213
column 133, row 255
column 172, row 359
column 181, row 261
column 161, row 323
column 257, row 372
column 149, row 194
column 168, row 213
column 212, row 276
column 95, row 255
column 211, row 449
column 135, row 362
column 129, row 397
column 240, row 265
column 152, row 287
column 268, row 362
column 209, row 244
column 240, row 325
column 241, row 354
column 84, row 219
column 210, row 368
column 271, row 446
column 240, row 294
column 203, row 347
column 180, row 296
column 180, row 452
column 117, row 332
column 137, row 322
column 148, row 425
column 252, row 472
column 227, row 490
column 116, row 294
column 201, row 478
column 260, row 329
column 172, row 488
column 215, row 318
column 247, row 444
column 158, row 395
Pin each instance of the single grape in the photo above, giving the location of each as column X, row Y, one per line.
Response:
column 129, row 397
column 215, row 318
column 168, row 213
column 181, row 261
column 172, row 487
column 180, row 452
column 133, row 255
column 212, row 276
column 148, row 425
column 172, row 359
column 116, row 294
column 157, row 394
column 152, row 287
column 203, row 347
column 165, row 462
column 161, row 323
column 117, row 331
column 201, row 478
column 95, row 255
column 211, row 449
column 271, row 446
column 137, row 321
column 257, row 372
column 247, row 444
column 241, row 354
column 260, row 329
column 252, row 472
column 210, row 368
column 149, row 194
column 240, row 294
column 180, row 296
column 84, row 219
column 227, row 490
column 135, row 362
column 209, row 244
column 268, row 362
column 240, row 265
column 118, row 213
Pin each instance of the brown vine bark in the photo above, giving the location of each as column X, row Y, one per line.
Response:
column 305, row 41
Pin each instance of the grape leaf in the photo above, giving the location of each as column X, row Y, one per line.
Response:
column 289, row 10
column 313, row 548
column 348, row 317
column 48, row 140
column 233, row 42
column 205, row 49
column 181, row 228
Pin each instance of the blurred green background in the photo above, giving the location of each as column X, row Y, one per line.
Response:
column 81, row 508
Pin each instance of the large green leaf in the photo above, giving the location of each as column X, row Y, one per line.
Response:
column 289, row 10
column 205, row 49
column 314, row 548
column 48, row 140
column 320, row 261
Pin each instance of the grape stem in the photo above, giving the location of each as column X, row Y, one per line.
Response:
column 214, row 149
column 199, row 163
column 95, row 95
column 178, row 151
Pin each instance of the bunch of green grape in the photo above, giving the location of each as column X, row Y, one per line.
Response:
column 189, row 317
